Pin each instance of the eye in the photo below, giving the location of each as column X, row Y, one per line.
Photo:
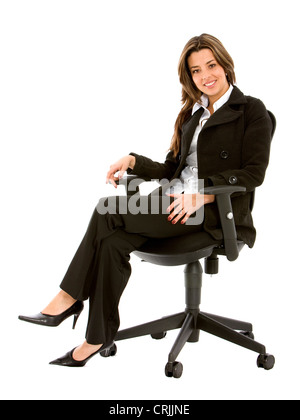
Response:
column 195, row 71
column 211, row 66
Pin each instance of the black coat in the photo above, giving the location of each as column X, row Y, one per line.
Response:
column 233, row 149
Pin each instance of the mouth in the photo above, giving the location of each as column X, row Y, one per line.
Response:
column 210, row 84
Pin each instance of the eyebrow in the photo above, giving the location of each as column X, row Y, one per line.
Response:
column 194, row 67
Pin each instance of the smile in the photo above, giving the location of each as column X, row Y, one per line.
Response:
column 211, row 84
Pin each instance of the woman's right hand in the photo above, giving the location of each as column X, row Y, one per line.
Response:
column 121, row 166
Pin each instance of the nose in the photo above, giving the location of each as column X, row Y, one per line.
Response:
column 205, row 76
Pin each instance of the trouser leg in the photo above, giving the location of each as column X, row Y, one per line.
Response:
column 111, row 276
column 100, row 271
column 100, row 268
column 80, row 274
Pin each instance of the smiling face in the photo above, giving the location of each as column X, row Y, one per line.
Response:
column 208, row 75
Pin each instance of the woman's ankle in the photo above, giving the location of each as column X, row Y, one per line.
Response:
column 68, row 299
column 59, row 304
column 85, row 350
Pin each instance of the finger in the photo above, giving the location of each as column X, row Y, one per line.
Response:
column 171, row 206
column 122, row 171
column 110, row 179
column 178, row 217
column 172, row 215
column 175, row 202
column 113, row 183
column 113, row 169
column 176, row 210
column 184, row 220
column 109, row 175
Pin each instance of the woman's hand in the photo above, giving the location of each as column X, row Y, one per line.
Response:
column 184, row 205
column 121, row 166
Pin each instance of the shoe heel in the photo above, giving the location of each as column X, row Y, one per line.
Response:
column 76, row 316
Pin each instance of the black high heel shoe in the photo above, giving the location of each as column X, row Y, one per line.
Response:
column 55, row 320
column 105, row 350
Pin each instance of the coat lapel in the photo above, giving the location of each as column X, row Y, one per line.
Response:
column 227, row 113
column 188, row 131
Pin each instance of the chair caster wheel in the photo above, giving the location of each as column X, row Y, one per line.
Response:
column 248, row 334
column 112, row 351
column 159, row 336
column 174, row 370
column 266, row 361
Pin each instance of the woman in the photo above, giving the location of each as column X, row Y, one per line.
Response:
column 221, row 137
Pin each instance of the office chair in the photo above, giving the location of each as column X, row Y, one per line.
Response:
column 191, row 321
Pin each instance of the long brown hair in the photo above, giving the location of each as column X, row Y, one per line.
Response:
column 190, row 93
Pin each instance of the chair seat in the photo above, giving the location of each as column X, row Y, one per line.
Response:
column 178, row 250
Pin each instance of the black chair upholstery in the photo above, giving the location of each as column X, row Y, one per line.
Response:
column 168, row 252
column 191, row 321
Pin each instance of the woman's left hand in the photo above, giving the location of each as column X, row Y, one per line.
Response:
column 184, row 205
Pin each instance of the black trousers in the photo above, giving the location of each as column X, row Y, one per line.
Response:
column 100, row 268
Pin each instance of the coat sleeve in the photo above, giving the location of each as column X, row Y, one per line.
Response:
column 146, row 167
column 255, row 150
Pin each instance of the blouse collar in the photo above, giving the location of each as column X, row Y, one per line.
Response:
column 204, row 101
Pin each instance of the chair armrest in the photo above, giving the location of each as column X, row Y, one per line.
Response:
column 223, row 193
column 222, row 189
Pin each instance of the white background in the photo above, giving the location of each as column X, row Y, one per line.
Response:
column 84, row 83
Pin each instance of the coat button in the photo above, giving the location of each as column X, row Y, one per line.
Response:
column 233, row 180
column 224, row 154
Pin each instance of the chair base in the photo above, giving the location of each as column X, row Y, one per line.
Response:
column 192, row 321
